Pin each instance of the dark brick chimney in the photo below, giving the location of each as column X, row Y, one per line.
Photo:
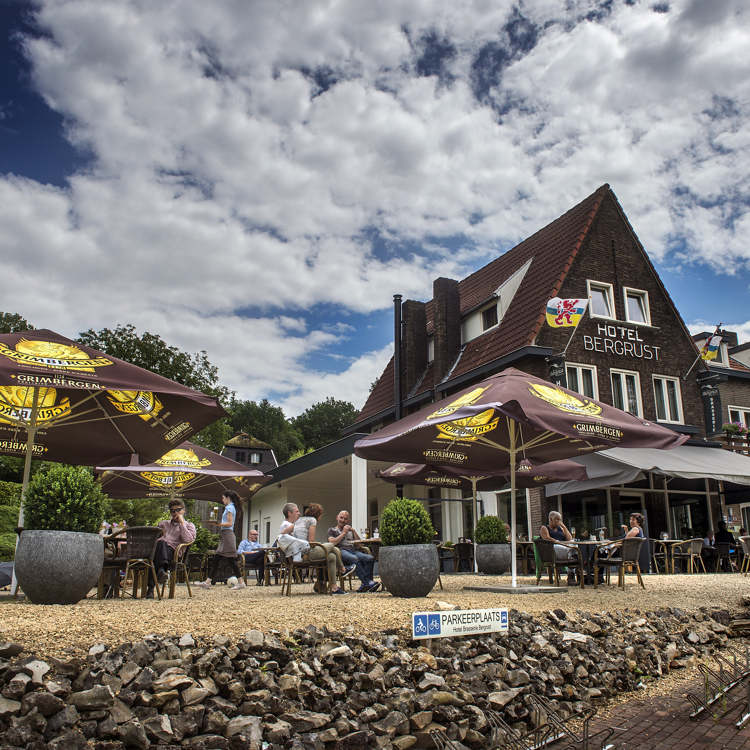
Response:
column 446, row 307
column 413, row 343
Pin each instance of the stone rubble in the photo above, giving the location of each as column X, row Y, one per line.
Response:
column 315, row 689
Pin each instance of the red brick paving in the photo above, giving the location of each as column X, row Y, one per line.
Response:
column 662, row 723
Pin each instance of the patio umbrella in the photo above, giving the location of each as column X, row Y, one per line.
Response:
column 62, row 401
column 508, row 417
column 187, row 471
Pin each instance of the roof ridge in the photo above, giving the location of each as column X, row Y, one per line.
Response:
column 598, row 196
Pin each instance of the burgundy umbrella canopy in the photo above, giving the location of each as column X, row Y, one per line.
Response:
column 62, row 401
column 188, row 471
column 508, row 417
column 482, row 481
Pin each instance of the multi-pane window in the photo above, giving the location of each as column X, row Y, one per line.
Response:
column 489, row 317
column 667, row 399
column 739, row 414
column 626, row 390
column 636, row 306
column 582, row 379
column 602, row 300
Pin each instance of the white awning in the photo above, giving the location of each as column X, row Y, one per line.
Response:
column 606, row 468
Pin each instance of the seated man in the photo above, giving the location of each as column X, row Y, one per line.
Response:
column 176, row 531
column 250, row 549
column 723, row 536
column 344, row 537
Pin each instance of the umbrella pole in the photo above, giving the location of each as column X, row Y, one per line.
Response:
column 31, row 435
column 474, row 518
column 512, row 456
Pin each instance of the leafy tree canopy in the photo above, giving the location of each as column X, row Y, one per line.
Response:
column 268, row 424
column 152, row 353
column 322, row 423
column 14, row 323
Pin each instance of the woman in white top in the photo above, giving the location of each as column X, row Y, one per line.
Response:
column 304, row 528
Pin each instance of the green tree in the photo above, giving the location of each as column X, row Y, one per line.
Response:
column 14, row 323
column 144, row 511
column 267, row 423
column 151, row 352
column 321, row 424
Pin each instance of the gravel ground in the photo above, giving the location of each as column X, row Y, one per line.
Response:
column 60, row 630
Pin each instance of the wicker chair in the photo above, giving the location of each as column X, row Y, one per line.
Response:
column 140, row 546
column 548, row 559
column 291, row 570
column 745, row 545
column 724, row 552
column 114, row 562
column 691, row 552
column 463, row 552
column 179, row 564
column 630, row 549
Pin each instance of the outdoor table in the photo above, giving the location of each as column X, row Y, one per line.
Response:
column 669, row 547
column 527, row 552
column 586, row 550
column 373, row 543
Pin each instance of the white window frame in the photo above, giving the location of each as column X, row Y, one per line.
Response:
column 608, row 291
column 743, row 412
column 643, row 297
column 664, row 379
column 579, row 368
column 624, row 374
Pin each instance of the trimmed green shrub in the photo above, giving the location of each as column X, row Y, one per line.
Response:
column 405, row 521
column 8, row 546
column 64, row 498
column 490, row 530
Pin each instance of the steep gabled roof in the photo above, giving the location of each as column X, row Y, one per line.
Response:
column 552, row 251
column 243, row 440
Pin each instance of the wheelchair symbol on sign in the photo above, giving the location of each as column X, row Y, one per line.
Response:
column 420, row 625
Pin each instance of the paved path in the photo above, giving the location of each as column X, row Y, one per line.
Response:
column 662, row 723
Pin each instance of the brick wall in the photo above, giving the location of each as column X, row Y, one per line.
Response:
column 446, row 307
column 610, row 254
column 413, row 344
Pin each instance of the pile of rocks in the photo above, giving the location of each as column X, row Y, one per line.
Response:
column 320, row 690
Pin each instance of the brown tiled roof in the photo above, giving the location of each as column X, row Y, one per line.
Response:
column 735, row 364
column 552, row 250
column 243, row 440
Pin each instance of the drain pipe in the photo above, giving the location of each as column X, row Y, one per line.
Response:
column 397, row 367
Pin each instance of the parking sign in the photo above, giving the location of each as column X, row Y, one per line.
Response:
column 458, row 623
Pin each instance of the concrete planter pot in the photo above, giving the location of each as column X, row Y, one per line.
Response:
column 410, row 570
column 58, row 567
column 493, row 559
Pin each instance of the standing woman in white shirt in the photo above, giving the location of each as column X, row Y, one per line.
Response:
column 227, row 541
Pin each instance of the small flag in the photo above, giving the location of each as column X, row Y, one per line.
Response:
column 710, row 348
column 565, row 313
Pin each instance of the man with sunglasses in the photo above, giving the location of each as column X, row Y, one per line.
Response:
column 176, row 531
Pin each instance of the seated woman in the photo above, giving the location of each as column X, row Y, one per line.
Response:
column 556, row 531
column 635, row 532
column 304, row 528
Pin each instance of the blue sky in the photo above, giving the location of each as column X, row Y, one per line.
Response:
column 258, row 179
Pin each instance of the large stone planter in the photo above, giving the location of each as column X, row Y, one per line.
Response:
column 58, row 567
column 493, row 559
column 409, row 571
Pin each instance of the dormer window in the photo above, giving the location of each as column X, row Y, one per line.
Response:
column 489, row 317
column 602, row 300
column 636, row 306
